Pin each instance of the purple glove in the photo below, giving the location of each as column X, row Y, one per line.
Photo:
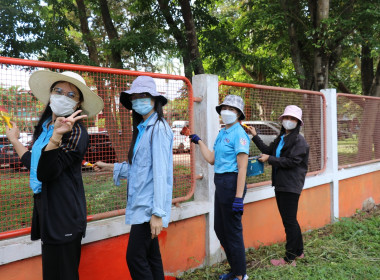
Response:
column 237, row 205
column 194, row 138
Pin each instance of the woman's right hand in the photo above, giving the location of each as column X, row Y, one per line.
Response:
column 102, row 166
column 12, row 133
column 194, row 138
column 252, row 130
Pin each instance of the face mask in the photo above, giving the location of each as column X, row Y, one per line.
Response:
column 228, row 117
column 289, row 125
column 62, row 105
column 142, row 106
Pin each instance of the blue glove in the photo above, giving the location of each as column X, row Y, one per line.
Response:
column 237, row 205
column 194, row 138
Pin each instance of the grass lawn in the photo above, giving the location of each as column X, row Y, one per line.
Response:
column 348, row 249
column 16, row 198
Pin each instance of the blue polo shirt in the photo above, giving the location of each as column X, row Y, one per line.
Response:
column 229, row 143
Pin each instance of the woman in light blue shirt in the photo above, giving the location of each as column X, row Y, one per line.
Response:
column 149, row 173
column 230, row 160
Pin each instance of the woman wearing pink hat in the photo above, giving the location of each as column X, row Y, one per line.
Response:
column 288, row 154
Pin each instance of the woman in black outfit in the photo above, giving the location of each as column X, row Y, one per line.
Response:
column 60, row 142
column 288, row 154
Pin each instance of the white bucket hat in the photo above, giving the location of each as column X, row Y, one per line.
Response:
column 40, row 83
column 142, row 84
column 233, row 101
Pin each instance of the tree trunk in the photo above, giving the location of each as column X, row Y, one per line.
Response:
column 178, row 36
column 303, row 66
column 366, row 70
column 321, row 59
column 112, row 35
column 120, row 143
column 187, row 67
column 191, row 35
column 368, row 130
column 86, row 34
column 299, row 58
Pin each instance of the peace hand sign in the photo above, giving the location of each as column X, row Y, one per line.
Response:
column 63, row 125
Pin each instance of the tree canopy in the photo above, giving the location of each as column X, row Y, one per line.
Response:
column 294, row 43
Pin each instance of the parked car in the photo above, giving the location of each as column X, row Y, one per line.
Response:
column 26, row 138
column 4, row 141
column 267, row 130
column 100, row 148
column 181, row 143
column 178, row 125
column 8, row 155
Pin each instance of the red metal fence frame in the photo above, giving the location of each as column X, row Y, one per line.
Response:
column 300, row 91
column 76, row 67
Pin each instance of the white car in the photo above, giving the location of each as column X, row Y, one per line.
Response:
column 181, row 143
column 26, row 138
column 267, row 130
column 178, row 125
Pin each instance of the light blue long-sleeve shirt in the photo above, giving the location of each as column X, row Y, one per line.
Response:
column 150, row 176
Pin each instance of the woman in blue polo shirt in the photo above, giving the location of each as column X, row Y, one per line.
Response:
column 230, row 159
column 149, row 173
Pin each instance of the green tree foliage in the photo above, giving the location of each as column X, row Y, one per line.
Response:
column 282, row 43
column 19, row 28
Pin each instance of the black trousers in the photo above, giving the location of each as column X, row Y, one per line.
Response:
column 143, row 254
column 61, row 262
column 287, row 204
column 227, row 224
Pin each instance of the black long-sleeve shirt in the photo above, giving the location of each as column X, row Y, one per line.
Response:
column 62, row 214
column 289, row 170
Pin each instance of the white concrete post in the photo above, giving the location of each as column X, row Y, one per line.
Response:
column 206, row 126
column 332, row 149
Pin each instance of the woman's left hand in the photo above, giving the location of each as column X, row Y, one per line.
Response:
column 155, row 225
column 63, row 125
column 264, row 158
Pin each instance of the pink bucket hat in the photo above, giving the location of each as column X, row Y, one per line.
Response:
column 293, row 111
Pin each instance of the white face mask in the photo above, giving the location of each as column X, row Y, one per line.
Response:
column 289, row 125
column 62, row 105
column 228, row 116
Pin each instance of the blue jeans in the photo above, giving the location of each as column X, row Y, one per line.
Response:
column 227, row 224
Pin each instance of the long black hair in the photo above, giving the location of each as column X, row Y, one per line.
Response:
column 290, row 139
column 47, row 113
column 136, row 120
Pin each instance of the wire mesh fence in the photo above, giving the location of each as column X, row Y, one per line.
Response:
column 358, row 135
column 110, row 133
column 264, row 105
